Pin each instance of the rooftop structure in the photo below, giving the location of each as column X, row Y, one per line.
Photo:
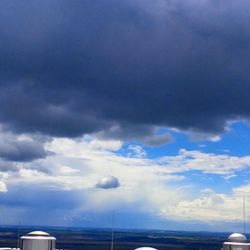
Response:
column 39, row 240
column 236, row 241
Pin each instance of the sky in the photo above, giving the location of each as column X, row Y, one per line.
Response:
column 141, row 107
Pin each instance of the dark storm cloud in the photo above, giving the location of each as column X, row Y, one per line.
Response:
column 142, row 133
column 20, row 150
column 74, row 67
column 12, row 149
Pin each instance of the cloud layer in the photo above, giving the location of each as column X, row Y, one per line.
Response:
column 78, row 67
column 162, row 188
column 87, row 87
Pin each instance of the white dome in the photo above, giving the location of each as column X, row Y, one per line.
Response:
column 145, row 248
column 237, row 237
column 38, row 233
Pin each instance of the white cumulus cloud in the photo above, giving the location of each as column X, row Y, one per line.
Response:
column 3, row 187
column 108, row 182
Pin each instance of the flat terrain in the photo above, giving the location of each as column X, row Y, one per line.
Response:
column 100, row 239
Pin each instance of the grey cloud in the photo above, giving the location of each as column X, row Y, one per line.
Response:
column 8, row 167
column 42, row 169
column 146, row 134
column 21, row 148
column 22, row 151
column 157, row 140
column 108, row 182
column 74, row 67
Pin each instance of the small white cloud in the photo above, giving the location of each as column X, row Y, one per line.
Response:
column 201, row 136
column 108, row 182
column 220, row 164
column 228, row 177
column 215, row 138
column 68, row 170
column 111, row 145
column 136, row 151
column 3, row 187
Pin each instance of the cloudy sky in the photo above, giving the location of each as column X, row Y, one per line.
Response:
column 141, row 107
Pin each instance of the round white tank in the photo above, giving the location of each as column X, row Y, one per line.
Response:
column 38, row 240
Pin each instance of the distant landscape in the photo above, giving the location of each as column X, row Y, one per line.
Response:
column 93, row 239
